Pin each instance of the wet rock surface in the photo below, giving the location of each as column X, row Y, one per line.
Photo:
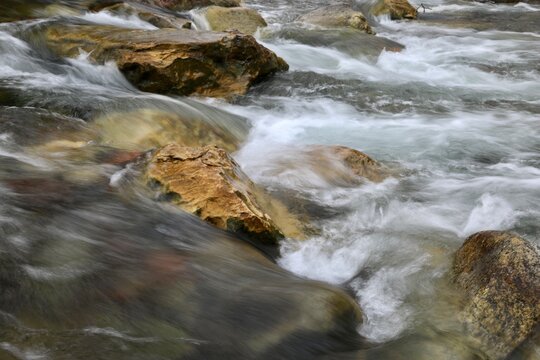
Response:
column 181, row 61
column 336, row 16
column 349, row 41
column 397, row 9
column 244, row 20
column 176, row 295
column 207, row 182
column 500, row 273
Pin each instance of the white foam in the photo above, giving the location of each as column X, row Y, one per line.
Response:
column 491, row 212
column 450, row 59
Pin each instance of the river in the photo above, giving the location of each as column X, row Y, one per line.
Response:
column 456, row 113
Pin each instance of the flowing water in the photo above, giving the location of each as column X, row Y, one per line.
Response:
column 90, row 260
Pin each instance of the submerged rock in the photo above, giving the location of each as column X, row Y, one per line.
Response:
column 159, row 19
column 178, row 61
column 397, row 9
column 178, row 5
column 355, row 163
column 500, row 274
column 296, row 173
column 241, row 19
column 29, row 126
column 210, row 184
column 144, row 129
column 482, row 20
column 160, row 285
column 349, row 41
column 335, row 165
column 336, row 16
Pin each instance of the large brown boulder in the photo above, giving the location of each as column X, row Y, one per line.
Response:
column 210, row 184
column 500, row 275
column 242, row 19
column 178, row 61
column 337, row 16
column 397, row 9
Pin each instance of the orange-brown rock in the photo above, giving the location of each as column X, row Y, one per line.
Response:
column 397, row 9
column 178, row 61
column 210, row 184
column 241, row 19
column 356, row 161
column 339, row 165
column 500, row 274
column 338, row 16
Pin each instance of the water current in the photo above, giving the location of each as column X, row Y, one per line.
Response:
column 88, row 256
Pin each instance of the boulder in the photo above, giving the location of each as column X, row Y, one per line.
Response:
column 169, row 285
column 346, row 40
column 349, row 161
column 177, row 61
column 144, row 129
column 159, row 19
column 499, row 273
column 207, row 182
column 338, row 16
column 337, row 165
column 241, row 19
column 397, row 9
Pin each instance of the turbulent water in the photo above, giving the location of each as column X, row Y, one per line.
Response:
column 456, row 114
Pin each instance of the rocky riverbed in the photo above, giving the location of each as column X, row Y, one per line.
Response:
column 216, row 179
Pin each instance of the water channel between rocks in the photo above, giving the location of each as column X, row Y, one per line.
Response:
column 457, row 113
